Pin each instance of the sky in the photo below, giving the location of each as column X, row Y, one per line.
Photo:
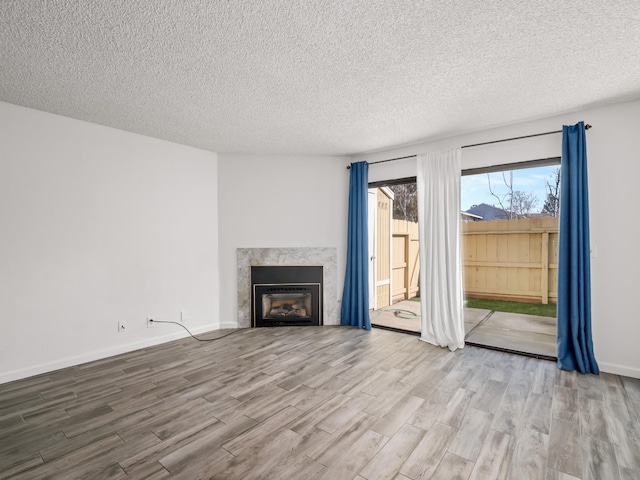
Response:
column 475, row 188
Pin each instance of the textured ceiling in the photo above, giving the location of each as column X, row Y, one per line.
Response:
column 317, row 76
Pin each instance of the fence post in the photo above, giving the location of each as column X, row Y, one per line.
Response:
column 544, row 276
column 407, row 278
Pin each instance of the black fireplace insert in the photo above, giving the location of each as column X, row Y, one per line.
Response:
column 286, row 295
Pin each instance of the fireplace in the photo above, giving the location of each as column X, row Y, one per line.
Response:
column 286, row 295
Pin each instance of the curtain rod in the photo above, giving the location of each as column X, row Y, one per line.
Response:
column 586, row 127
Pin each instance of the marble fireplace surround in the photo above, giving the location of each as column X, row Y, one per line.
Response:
column 315, row 256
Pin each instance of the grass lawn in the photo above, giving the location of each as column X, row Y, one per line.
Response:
column 512, row 307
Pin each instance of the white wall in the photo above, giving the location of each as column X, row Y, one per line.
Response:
column 278, row 201
column 99, row 225
column 614, row 170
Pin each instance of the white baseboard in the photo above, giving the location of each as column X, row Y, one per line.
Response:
column 224, row 325
column 108, row 352
column 619, row 369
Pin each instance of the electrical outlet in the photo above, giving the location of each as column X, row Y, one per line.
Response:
column 184, row 316
column 150, row 322
column 122, row 327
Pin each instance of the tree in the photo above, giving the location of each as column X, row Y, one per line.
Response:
column 514, row 203
column 522, row 203
column 405, row 202
column 506, row 198
column 551, row 205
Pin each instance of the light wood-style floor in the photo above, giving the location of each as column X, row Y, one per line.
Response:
column 319, row 403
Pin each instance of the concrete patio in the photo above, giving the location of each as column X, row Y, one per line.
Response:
column 530, row 334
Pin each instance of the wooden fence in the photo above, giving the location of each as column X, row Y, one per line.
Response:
column 511, row 259
column 405, row 259
column 383, row 250
column 505, row 259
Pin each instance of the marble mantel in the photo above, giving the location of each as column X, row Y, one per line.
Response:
column 324, row 256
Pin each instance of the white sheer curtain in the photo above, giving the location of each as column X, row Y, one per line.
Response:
column 441, row 291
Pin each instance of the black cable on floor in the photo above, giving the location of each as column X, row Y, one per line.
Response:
column 199, row 339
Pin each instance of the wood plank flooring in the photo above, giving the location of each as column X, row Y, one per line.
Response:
column 319, row 403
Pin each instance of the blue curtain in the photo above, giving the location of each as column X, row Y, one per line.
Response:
column 575, row 345
column 355, row 297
